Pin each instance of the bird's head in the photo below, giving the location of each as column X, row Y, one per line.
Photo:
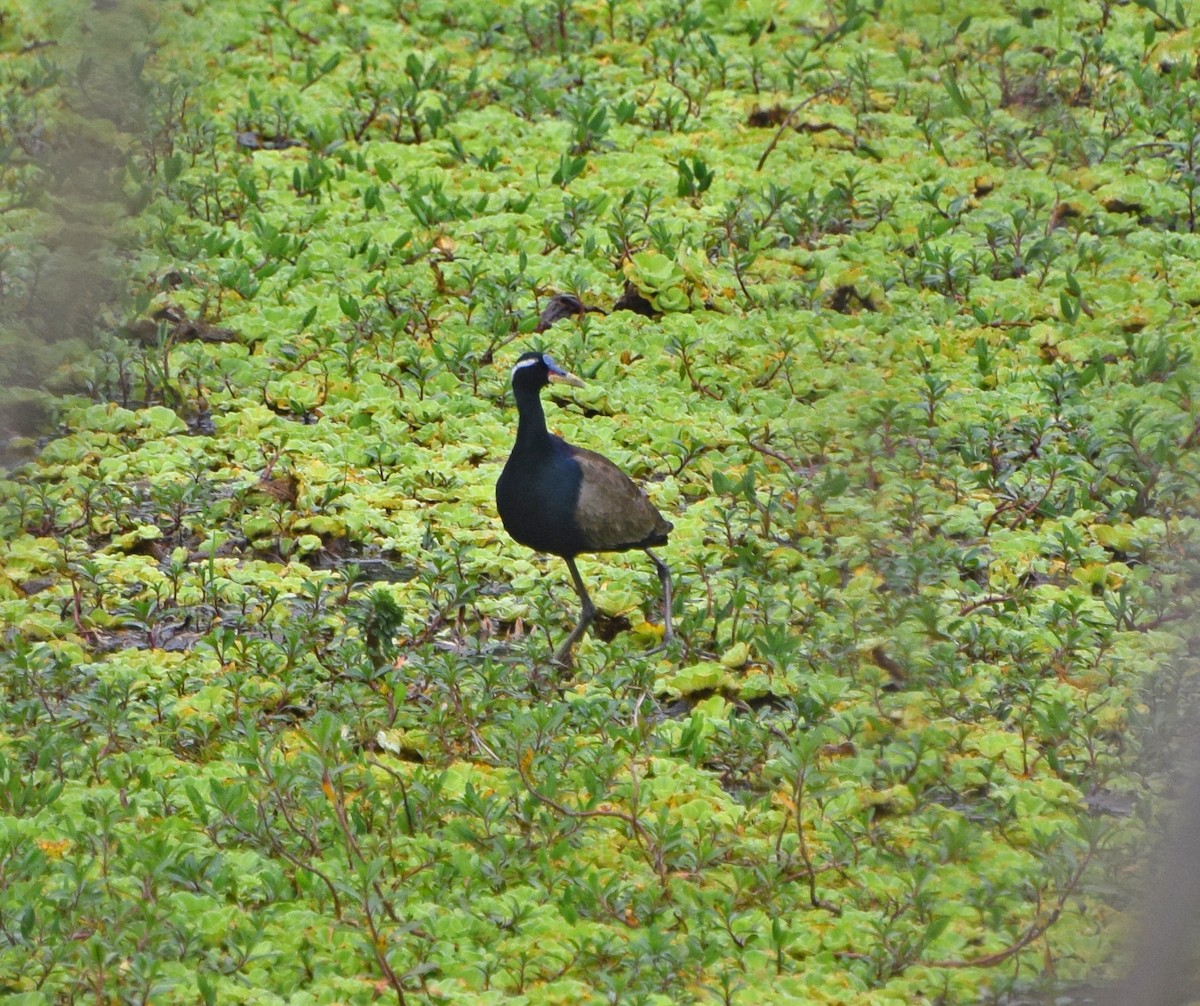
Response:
column 536, row 370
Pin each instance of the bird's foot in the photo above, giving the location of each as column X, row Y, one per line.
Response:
column 564, row 658
column 549, row 681
column 667, row 639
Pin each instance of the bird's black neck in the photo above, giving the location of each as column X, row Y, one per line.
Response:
column 531, row 420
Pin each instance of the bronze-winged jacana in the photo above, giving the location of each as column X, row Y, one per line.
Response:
column 558, row 498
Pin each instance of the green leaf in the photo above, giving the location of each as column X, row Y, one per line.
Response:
column 957, row 98
column 161, row 420
column 349, row 306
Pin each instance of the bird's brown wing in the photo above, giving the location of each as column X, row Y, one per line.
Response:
column 612, row 512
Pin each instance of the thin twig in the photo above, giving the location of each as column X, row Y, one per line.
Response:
column 553, row 804
column 790, row 121
column 1027, row 937
column 771, row 453
column 983, row 602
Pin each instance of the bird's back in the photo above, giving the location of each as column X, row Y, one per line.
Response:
column 612, row 513
column 565, row 500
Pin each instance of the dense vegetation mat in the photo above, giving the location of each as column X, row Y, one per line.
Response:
column 893, row 310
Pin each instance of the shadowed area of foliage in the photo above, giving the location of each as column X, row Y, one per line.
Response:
column 76, row 109
column 890, row 308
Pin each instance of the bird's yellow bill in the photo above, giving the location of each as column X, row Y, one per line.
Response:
column 566, row 378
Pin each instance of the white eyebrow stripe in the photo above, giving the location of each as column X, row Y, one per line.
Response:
column 525, row 363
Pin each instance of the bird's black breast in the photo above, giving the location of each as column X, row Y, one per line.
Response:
column 537, row 494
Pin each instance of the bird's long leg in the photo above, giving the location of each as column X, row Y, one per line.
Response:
column 563, row 656
column 664, row 577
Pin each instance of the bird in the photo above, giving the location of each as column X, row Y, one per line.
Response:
column 563, row 305
column 561, row 499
